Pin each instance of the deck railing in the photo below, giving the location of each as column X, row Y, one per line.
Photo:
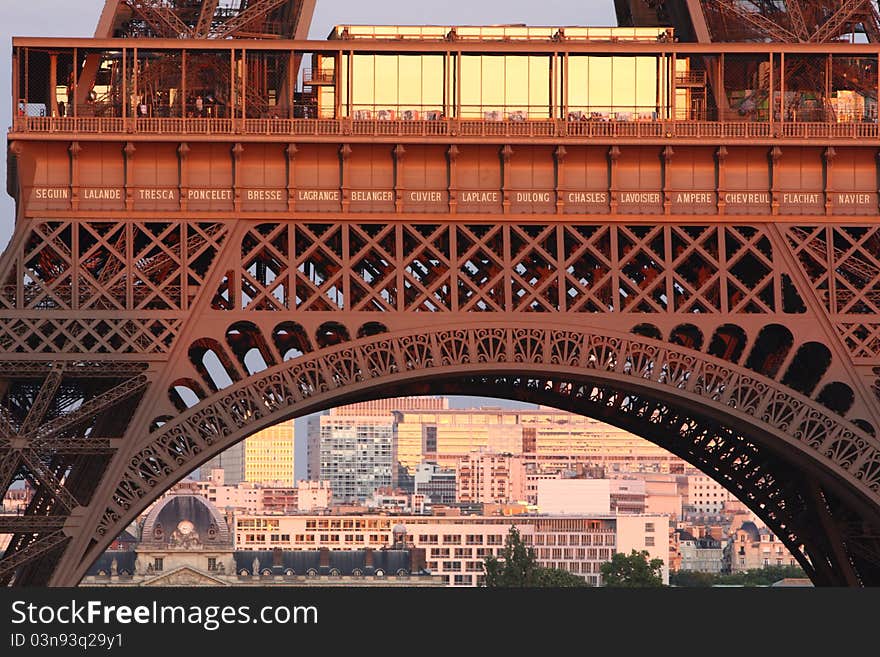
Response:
column 542, row 128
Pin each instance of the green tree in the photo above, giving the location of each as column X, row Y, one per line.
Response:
column 756, row 577
column 518, row 566
column 632, row 570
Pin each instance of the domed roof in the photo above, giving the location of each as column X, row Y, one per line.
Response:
column 751, row 529
column 185, row 521
column 399, row 528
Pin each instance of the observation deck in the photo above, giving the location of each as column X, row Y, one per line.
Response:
column 448, row 84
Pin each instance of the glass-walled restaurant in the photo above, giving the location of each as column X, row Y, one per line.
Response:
column 480, row 74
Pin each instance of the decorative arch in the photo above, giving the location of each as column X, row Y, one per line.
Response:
column 768, row 446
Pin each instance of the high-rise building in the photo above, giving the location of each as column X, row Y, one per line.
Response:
column 357, row 455
column 230, row 461
column 269, row 456
column 549, row 440
column 409, row 447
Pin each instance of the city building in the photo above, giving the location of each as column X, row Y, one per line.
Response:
column 488, row 477
column 548, row 439
column 230, row 461
column 185, row 541
column 269, row 456
column 704, row 554
column 628, row 496
column 357, row 454
column 313, row 495
column 574, row 496
column 246, row 497
column 457, row 545
column 751, row 546
column 17, row 499
column 435, row 483
column 705, row 496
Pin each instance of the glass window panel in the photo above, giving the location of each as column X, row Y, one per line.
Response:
column 471, row 81
column 600, row 84
column 363, row 82
column 646, row 78
column 387, row 81
column 493, row 84
column 432, row 81
column 624, row 87
column 516, row 78
column 539, row 87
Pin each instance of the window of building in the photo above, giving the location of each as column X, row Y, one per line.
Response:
column 463, row 580
column 649, row 541
column 649, row 527
column 212, row 564
column 452, row 539
column 158, row 564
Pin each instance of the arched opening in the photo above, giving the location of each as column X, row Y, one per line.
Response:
column 254, row 362
column 648, row 331
column 248, row 344
column 770, row 349
column 735, row 444
column 185, row 393
column 159, row 422
column 371, row 328
column 836, row 396
column 809, row 364
column 687, row 335
column 291, row 340
column 212, row 364
column 728, row 343
column 865, row 426
column 331, row 333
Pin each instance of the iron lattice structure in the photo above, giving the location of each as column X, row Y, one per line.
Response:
column 138, row 343
column 195, row 19
column 791, row 21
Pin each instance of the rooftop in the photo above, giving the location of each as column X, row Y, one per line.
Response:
column 512, row 32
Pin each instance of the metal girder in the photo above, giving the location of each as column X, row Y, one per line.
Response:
column 162, row 19
column 79, row 446
column 759, row 21
column 73, row 369
column 44, row 397
column 9, row 463
column 797, row 19
column 9, row 563
column 47, row 478
column 206, row 16
column 831, row 27
column 7, row 431
column 93, row 407
column 253, row 12
column 30, row 524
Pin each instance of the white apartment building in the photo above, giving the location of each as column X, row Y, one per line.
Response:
column 456, row 546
